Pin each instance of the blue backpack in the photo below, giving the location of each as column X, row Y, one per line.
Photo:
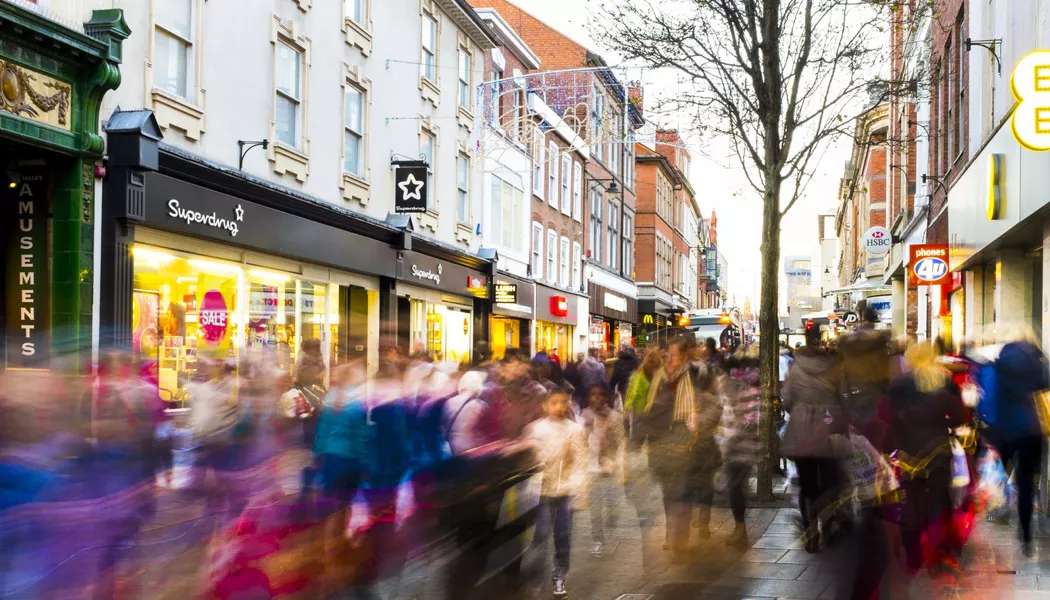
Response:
column 988, row 381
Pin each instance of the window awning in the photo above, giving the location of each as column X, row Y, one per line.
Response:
column 867, row 285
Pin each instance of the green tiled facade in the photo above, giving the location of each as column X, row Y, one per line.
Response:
column 90, row 63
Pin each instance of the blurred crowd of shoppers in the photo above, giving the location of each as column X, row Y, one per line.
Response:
column 917, row 424
column 343, row 477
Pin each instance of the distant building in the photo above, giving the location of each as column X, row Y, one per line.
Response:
column 829, row 249
column 799, row 293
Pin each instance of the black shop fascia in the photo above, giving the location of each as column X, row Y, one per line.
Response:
column 313, row 258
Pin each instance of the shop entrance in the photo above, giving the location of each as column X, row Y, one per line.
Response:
column 555, row 339
column 507, row 333
column 442, row 331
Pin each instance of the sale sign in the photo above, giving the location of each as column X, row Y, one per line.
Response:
column 928, row 265
column 213, row 317
column 215, row 304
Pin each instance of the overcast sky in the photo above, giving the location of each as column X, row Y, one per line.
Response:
column 719, row 181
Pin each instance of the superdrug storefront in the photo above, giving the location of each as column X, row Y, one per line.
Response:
column 200, row 262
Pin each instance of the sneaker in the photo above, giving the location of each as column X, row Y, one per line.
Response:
column 559, row 588
column 1027, row 550
column 597, row 549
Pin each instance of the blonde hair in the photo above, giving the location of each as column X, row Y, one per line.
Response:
column 930, row 375
column 1018, row 332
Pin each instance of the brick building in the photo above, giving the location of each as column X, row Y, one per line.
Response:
column 709, row 293
column 909, row 151
column 588, row 98
column 665, row 233
column 863, row 204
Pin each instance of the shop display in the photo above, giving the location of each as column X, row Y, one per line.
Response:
column 215, row 310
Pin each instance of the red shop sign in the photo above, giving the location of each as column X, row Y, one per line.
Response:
column 559, row 306
column 928, row 265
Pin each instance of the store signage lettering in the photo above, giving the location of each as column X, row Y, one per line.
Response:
column 878, row 241
column 559, row 306
column 410, row 187
column 191, row 216
column 995, row 187
column 427, row 275
column 27, row 274
column 928, row 265
column 1030, row 83
column 506, row 293
column 614, row 302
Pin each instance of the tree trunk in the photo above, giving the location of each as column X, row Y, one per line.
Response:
column 769, row 327
column 770, row 109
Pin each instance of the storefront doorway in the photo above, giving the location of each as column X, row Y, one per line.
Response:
column 507, row 333
column 555, row 339
column 439, row 330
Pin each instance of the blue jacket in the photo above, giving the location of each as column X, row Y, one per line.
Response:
column 1022, row 370
column 343, row 430
column 391, row 454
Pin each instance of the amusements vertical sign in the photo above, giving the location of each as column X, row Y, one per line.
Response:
column 27, row 303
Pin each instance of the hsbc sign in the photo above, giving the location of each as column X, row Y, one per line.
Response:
column 877, row 241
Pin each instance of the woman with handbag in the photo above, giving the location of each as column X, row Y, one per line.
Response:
column 810, row 397
column 924, row 405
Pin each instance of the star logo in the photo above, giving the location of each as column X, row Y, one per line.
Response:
column 439, row 269
column 409, row 182
column 239, row 212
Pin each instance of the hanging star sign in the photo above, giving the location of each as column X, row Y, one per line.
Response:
column 408, row 182
column 239, row 213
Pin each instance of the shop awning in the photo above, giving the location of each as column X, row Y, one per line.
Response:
column 868, row 285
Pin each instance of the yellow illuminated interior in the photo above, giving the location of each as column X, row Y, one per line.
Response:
column 262, row 311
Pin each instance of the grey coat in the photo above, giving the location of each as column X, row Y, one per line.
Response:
column 810, row 397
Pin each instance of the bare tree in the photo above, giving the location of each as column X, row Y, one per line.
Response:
column 778, row 79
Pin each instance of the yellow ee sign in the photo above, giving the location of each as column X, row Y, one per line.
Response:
column 1030, row 84
column 995, row 187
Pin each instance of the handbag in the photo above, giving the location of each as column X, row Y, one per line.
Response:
column 1042, row 409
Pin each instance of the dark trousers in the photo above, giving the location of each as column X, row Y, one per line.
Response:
column 817, row 478
column 736, row 488
column 927, row 509
column 475, row 524
column 1027, row 453
column 556, row 515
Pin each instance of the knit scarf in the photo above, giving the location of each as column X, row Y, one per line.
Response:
column 684, row 395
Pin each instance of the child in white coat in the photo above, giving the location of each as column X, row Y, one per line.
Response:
column 561, row 445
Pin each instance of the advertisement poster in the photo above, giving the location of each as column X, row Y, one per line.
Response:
column 216, row 301
column 145, row 315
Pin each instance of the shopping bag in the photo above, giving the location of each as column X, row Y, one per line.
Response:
column 870, row 473
column 991, row 489
column 960, row 468
column 294, row 405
